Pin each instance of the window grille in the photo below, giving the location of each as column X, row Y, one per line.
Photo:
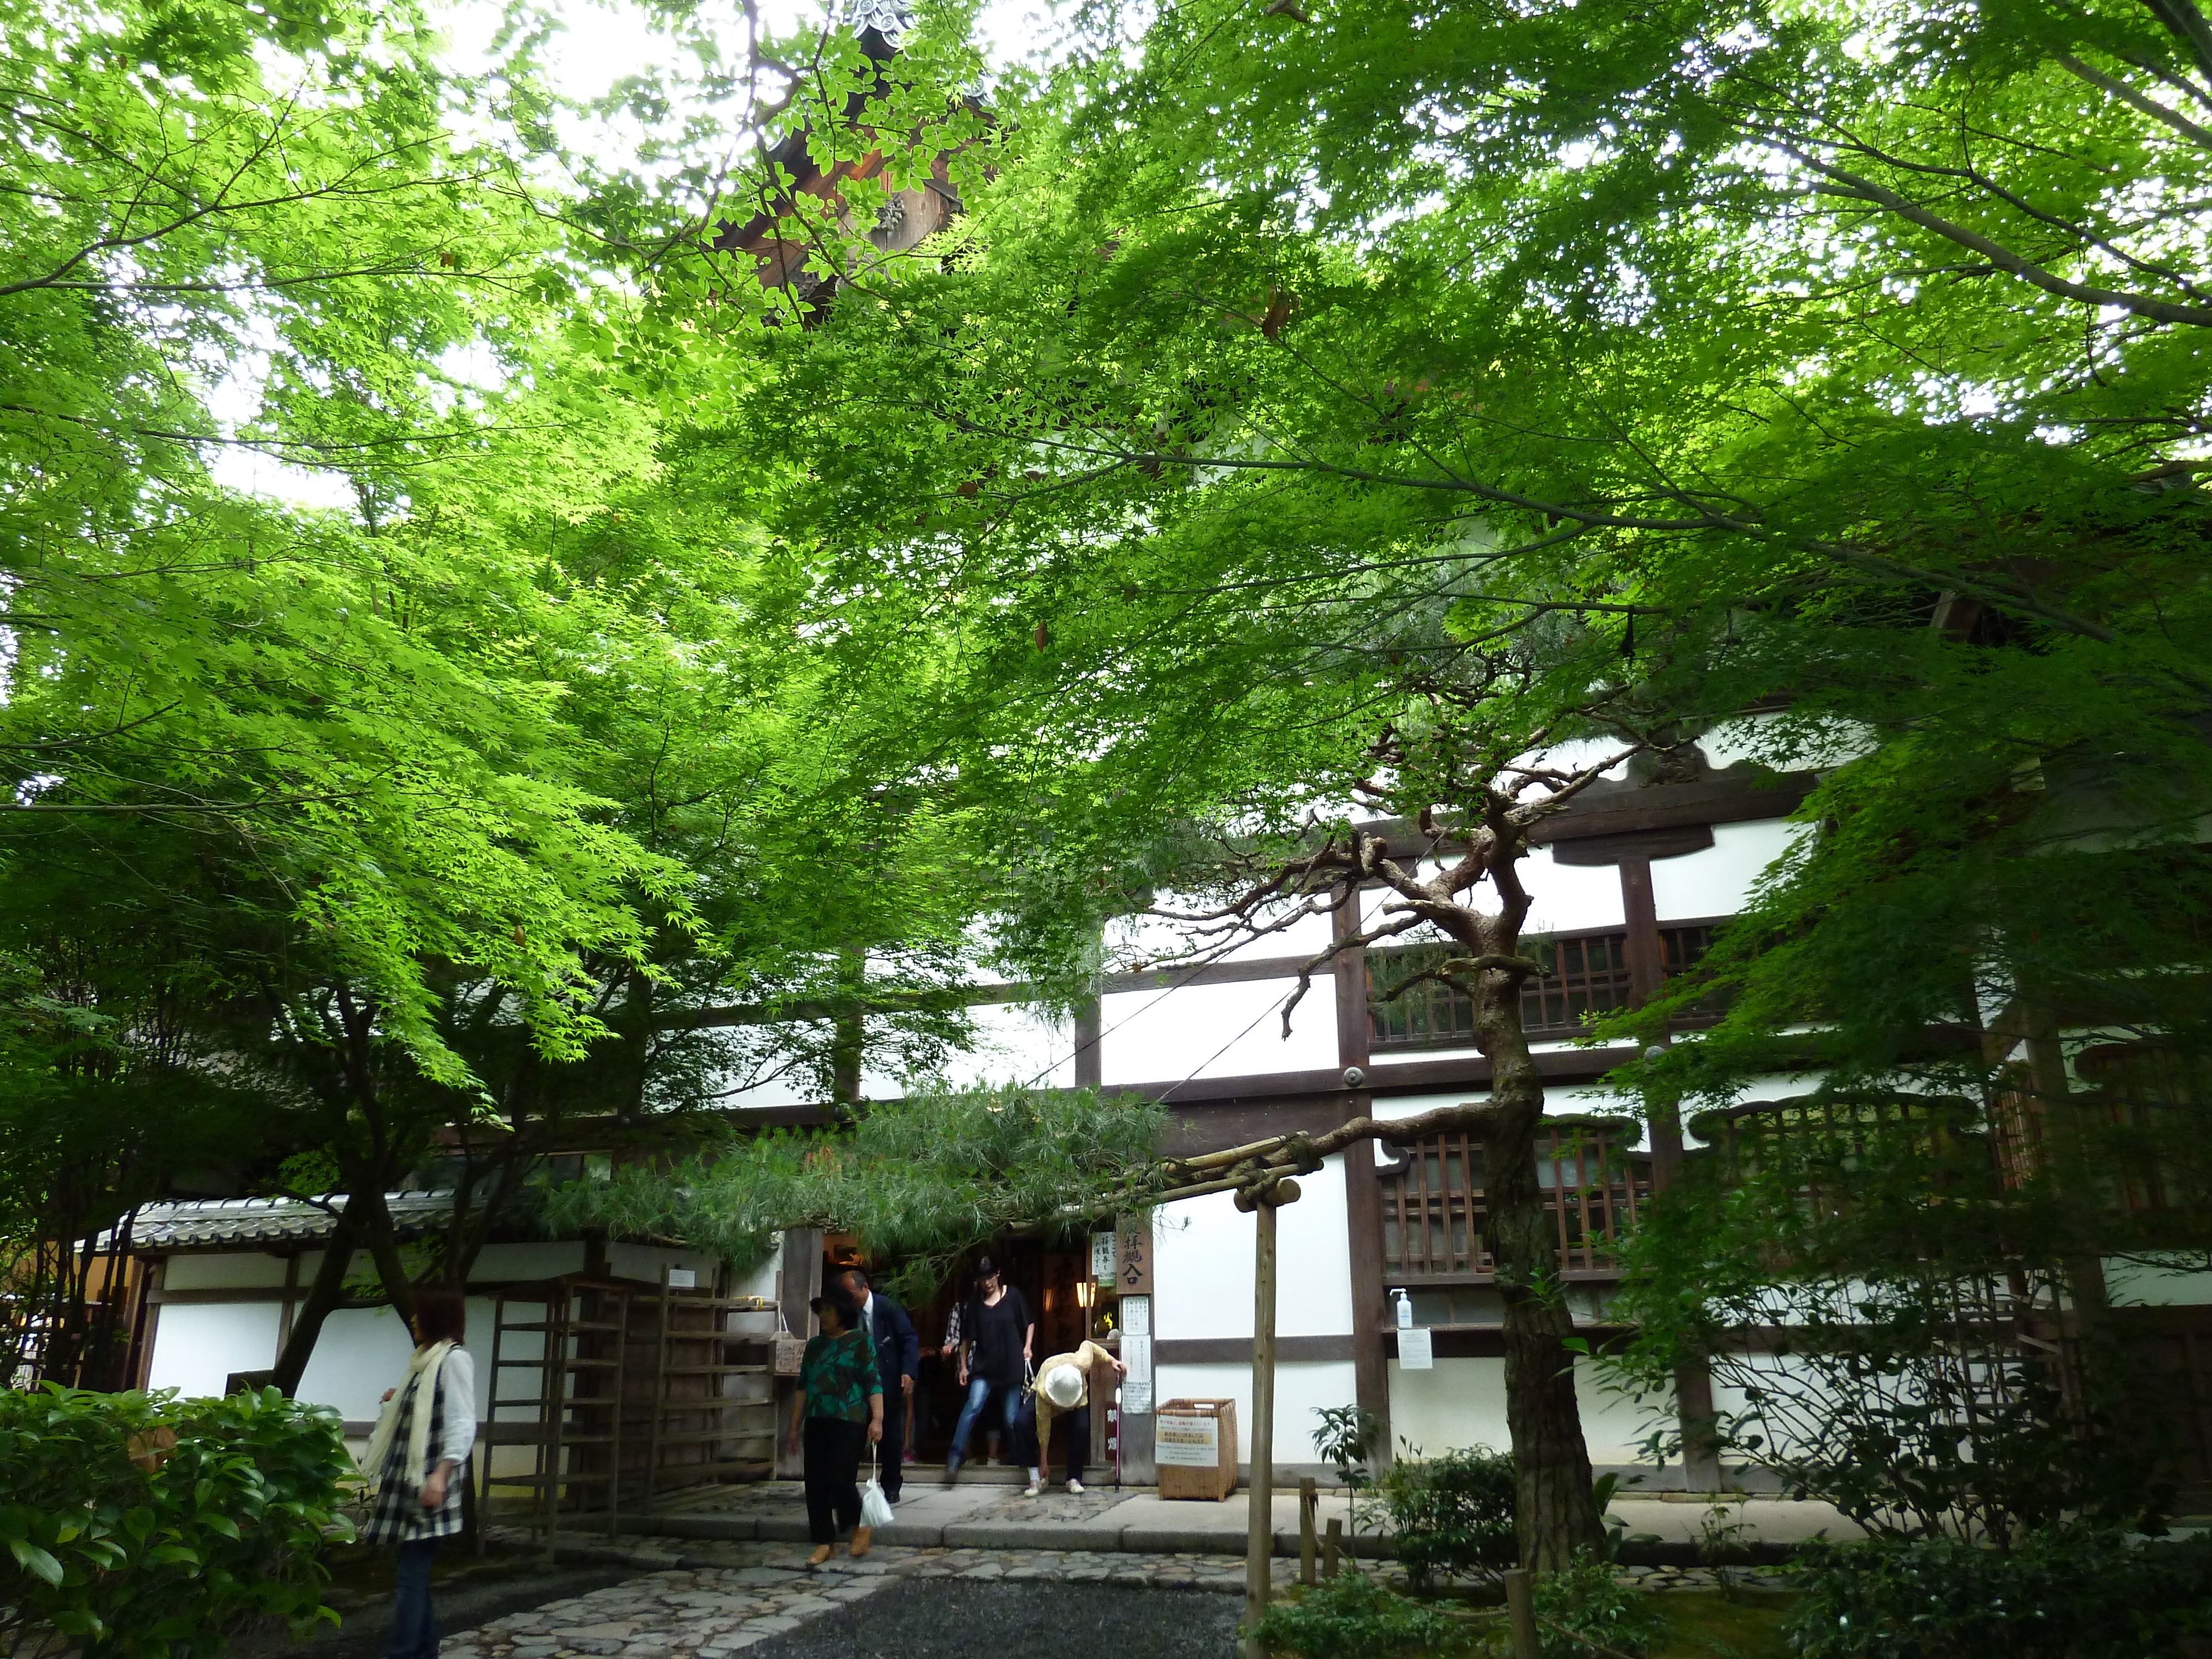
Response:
column 1589, row 974
column 2144, row 1127
column 1433, row 1208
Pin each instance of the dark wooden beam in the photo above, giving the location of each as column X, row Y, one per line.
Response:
column 1363, row 1193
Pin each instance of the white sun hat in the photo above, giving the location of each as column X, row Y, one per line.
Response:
column 1063, row 1386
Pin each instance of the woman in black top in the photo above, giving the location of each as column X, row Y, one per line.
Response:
column 996, row 1335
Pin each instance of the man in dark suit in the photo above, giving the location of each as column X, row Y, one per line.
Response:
column 898, row 1355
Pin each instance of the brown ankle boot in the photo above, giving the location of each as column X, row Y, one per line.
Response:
column 821, row 1555
column 863, row 1539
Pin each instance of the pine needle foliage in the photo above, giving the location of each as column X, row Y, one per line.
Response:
column 918, row 1181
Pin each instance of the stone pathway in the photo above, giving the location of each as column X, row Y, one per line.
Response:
column 724, row 1597
column 704, row 1600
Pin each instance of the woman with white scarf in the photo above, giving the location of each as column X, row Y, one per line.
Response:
column 429, row 1425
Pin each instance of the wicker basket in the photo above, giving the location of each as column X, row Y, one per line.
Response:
column 790, row 1350
column 1190, row 1429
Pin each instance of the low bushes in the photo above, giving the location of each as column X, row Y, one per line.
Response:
column 1352, row 1617
column 1450, row 1515
column 1586, row 1609
column 152, row 1527
column 2069, row 1592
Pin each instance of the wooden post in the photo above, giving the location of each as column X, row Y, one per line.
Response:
column 1521, row 1608
column 1332, row 1551
column 1309, row 1508
column 1260, row 1496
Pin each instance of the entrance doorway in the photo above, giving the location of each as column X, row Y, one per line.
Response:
column 1052, row 1280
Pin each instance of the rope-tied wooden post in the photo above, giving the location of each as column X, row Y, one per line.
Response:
column 1308, row 1509
column 1260, row 1198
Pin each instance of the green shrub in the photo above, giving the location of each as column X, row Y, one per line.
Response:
column 152, row 1527
column 1353, row 1617
column 1588, row 1601
column 2069, row 1592
column 1451, row 1515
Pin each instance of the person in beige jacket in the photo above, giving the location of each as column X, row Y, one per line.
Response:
column 1063, row 1389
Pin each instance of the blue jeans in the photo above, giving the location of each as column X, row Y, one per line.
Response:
column 979, row 1391
column 414, row 1627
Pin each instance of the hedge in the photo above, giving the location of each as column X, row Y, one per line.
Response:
column 148, row 1526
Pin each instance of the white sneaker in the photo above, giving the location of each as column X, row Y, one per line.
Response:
column 1032, row 1490
column 1075, row 1487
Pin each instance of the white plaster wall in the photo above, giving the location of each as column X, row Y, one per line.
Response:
column 1301, row 1387
column 361, row 1351
column 522, row 1261
column 1202, row 1264
column 646, row 1261
column 1462, row 1402
column 2143, row 1284
column 1016, row 1044
column 1146, row 938
column 198, row 1346
column 1717, row 881
column 1570, row 896
column 243, row 1270
column 1216, row 1030
column 761, row 1280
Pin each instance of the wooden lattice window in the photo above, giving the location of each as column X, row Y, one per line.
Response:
column 1589, row 974
column 2145, row 1126
column 1433, row 1209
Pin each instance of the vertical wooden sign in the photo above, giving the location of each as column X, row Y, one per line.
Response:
column 1133, row 1250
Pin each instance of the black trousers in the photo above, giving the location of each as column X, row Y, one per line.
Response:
column 833, row 1449
column 894, row 1441
column 1078, row 1423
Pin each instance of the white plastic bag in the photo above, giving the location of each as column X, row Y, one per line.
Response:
column 875, row 1507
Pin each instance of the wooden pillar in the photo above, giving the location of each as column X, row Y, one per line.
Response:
column 1260, row 1496
column 1089, row 1058
column 796, row 1286
column 1363, row 1195
column 1646, row 953
column 1308, row 1509
column 1262, row 1201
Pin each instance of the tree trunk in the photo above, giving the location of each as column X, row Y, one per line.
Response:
column 1555, row 1512
column 322, row 1299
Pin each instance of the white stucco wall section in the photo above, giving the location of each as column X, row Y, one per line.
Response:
column 361, row 1351
column 1302, row 1387
column 244, row 1270
column 1216, row 1030
column 198, row 1345
column 1462, row 1403
column 1566, row 897
column 1717, row 881
column 1014, row 1044
column 1202, row 1274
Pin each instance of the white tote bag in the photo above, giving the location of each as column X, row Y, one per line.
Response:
column 875, row 1507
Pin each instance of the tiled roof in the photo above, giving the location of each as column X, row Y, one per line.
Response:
column 202, row 1224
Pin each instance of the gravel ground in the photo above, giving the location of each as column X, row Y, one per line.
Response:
column 949, row 1619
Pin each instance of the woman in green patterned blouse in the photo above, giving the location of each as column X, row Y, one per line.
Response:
column 839, row 1409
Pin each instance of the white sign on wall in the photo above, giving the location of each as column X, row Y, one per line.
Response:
column 1137, row 1386
column 1137, row 1355
column 1103, row 1260
column 682, row 1279
column 1416, row 1352
column 1187, row 1443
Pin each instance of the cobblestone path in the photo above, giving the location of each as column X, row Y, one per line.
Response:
column 726, row 1597
column 703, row 1600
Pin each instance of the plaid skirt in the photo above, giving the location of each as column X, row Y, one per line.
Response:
column 396, row 1515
